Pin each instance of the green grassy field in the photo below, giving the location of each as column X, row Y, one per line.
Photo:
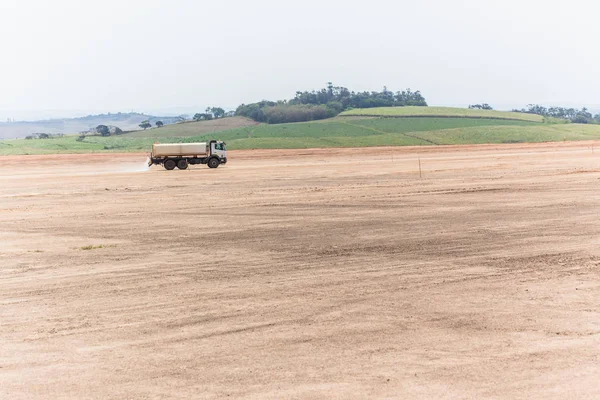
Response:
column 512, row 133
column 409, row 124
column 441, row 112
column 336, row 132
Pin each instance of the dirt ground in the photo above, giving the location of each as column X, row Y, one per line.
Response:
column 312, row 274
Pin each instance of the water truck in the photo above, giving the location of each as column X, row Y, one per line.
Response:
column 181, row 155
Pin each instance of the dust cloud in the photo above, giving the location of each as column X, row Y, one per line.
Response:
column 138, row 167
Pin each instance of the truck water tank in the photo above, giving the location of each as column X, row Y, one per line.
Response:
column 179, row 149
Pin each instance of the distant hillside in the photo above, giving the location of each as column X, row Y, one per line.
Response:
column 404, row 112
column 125, row 121
column 395, row 127
column 192, row 128
column 337, row 132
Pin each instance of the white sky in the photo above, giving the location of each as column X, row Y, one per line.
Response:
column 163, row 56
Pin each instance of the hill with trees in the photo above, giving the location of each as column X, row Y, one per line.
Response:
column 330, row 117
column 326, row 103
column 343, row 131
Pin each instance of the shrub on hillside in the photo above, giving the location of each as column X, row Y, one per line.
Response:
column 484, row 106
column 103, row 130
column 581, row 119
column 255, row 110
column 44, row 136
column 335, row 106
column 296, row 113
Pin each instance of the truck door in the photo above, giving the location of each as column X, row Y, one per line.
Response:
column 218, row 149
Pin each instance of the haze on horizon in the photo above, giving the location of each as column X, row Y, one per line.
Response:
column 68, row 57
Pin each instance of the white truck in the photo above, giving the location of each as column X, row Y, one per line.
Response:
column 181, row 155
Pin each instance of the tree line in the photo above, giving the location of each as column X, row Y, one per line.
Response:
column 147, row 124
column 326, row 103
column 575, row 115
column 212, row 113
column 350, row 99
column 42, row 135
column 484, row 106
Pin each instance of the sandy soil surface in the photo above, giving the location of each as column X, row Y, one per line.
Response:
column 336, row 273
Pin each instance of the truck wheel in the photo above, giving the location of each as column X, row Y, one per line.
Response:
column 213, row 163
column 182, row 164
column 169, row 165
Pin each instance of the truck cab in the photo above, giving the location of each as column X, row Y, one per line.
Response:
column 217, row 148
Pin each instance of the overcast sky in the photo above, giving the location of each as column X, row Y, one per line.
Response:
column 159, row 56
